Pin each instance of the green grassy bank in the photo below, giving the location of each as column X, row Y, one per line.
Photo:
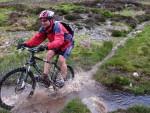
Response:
column 134, row 109
column 119, row 71
column 75, row 106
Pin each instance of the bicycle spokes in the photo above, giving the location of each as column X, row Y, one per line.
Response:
column 13, row 86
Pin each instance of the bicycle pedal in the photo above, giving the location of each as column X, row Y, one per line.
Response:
column 46, row 86
column 30, row 94
column 37, row 77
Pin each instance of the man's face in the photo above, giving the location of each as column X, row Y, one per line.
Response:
column 45, row 22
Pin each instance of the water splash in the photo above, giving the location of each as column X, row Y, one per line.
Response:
column 95, row 104
column 46, row 100
column 90, row 92
column 42, row 102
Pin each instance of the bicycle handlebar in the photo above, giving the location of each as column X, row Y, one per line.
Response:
column 36, row 50
column 32, row 50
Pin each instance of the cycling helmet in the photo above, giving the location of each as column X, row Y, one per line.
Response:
column 46, row 14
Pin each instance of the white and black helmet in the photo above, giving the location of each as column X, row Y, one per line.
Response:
column 46, row 14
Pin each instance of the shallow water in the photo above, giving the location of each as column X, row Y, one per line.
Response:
column 116, row 100
column 95, row 96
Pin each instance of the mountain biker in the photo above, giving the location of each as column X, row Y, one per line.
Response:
column 56, row 34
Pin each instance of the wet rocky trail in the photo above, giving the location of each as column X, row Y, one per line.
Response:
column 97, row 97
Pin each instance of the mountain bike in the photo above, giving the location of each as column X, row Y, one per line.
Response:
column 23, row 80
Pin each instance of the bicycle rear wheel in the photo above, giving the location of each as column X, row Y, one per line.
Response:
column 55, row 70
column 13, row 86
column 55, row 73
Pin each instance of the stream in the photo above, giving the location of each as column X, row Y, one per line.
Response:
column 97, row 98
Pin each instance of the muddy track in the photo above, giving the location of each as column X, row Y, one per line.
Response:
column 88, row 90
column 82, row 86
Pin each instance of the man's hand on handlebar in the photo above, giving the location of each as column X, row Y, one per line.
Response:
column 37, row 49
column 42, row 48
column 21, row 45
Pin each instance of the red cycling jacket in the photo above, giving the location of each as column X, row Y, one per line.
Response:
column 54, row 35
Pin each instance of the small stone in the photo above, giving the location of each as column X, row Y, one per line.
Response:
column 130, row 85
column 6, row 43
column 135, row 74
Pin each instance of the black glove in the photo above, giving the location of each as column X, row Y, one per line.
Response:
column 42, row 47
column 21, row 45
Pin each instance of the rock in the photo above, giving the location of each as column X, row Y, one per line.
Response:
column 135, row 74
column 131, row 85
column 15, row 16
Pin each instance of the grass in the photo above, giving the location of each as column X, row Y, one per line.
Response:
column 11, row 61
column 118, row 33
column 129, row 12
column 17, row 59
column 69, row 8
column 134, row 109
column 14, row 59
column 25, row 21
column 146, row 2
column 6, row 0
column 133, row 57
column 3, row 111
column 103, row 12
column 4, row 15
column 72, row 17
column 81, row 56
column 75, row 106
column 86, row 54
column 66, row 8
column 84, row 57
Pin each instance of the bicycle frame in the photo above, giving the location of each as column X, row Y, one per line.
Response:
column 22, row 74
column 32, row 62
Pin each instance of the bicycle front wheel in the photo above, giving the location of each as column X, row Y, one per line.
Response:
column 13, row 85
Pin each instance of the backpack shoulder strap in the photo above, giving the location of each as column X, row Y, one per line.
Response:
column 68, row 27
column 56, row 27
